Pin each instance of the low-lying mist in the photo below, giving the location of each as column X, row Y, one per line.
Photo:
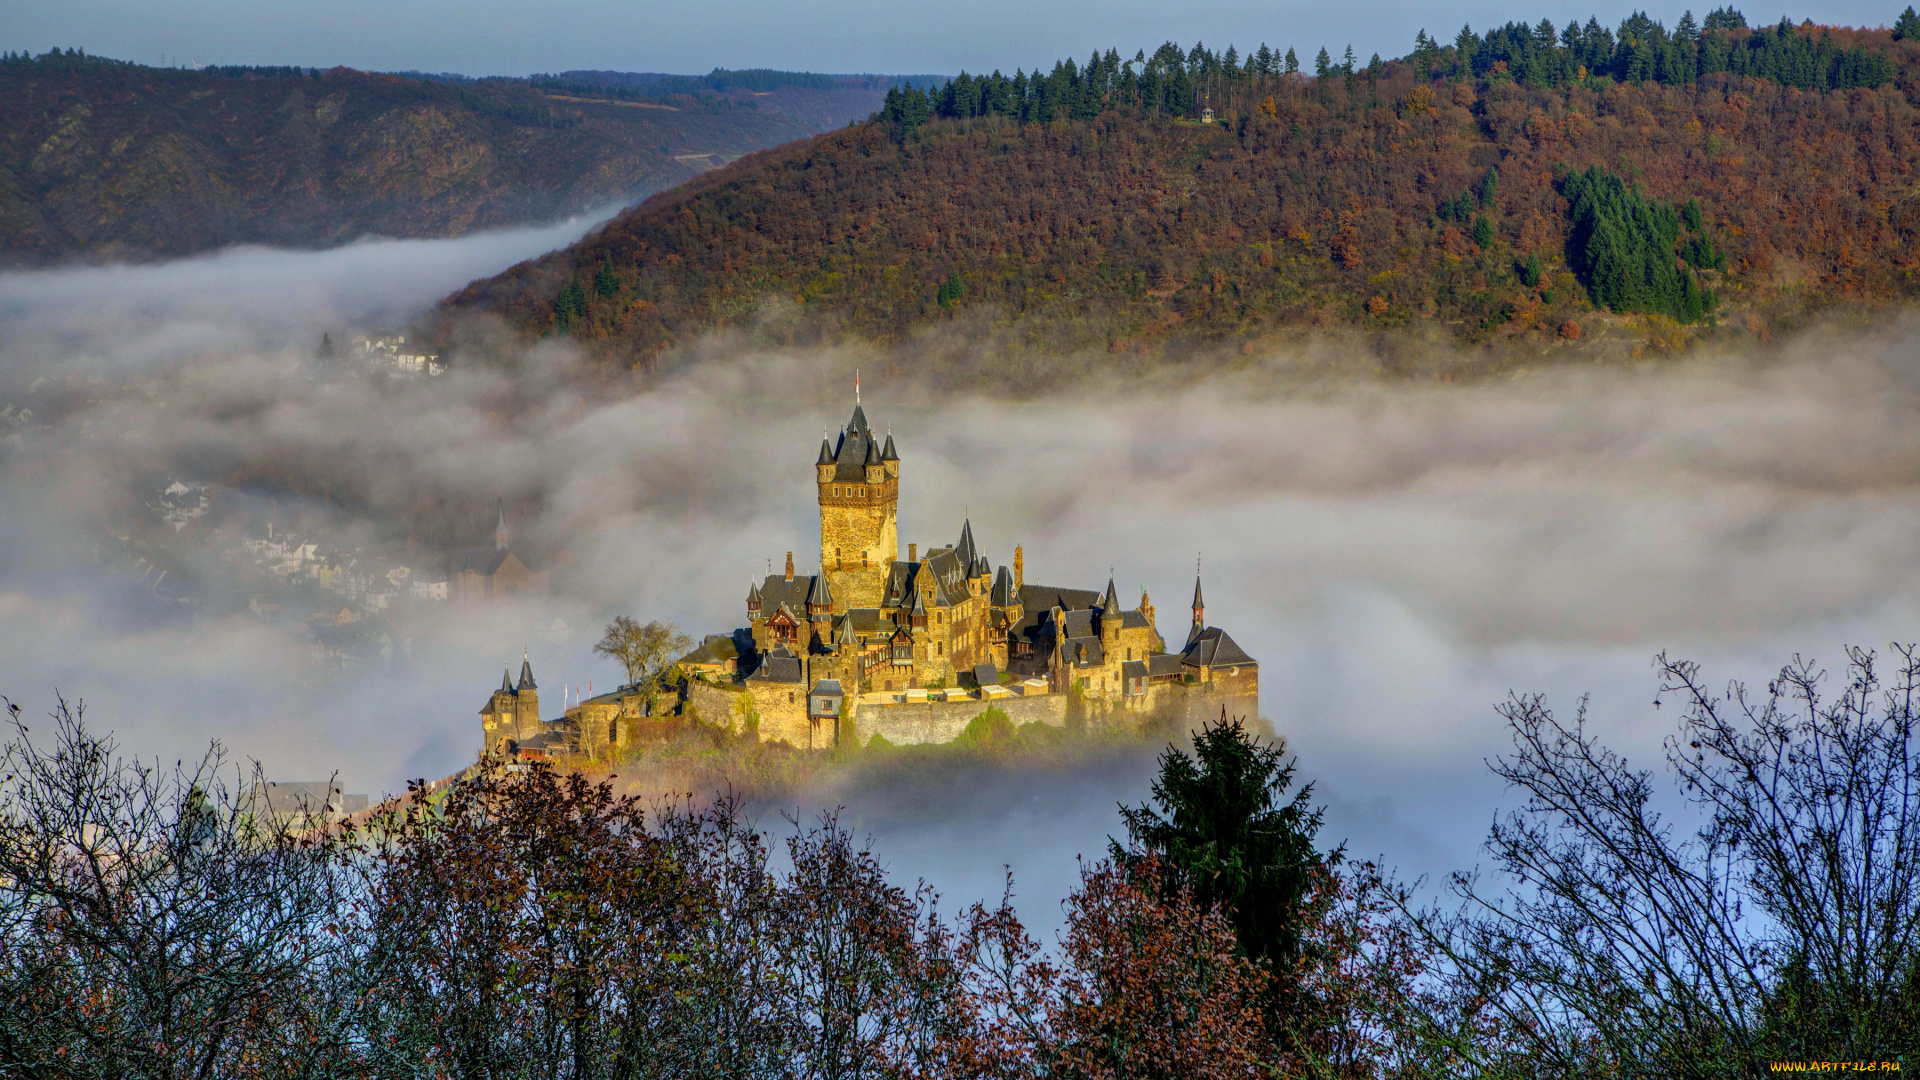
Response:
column 1399, row 556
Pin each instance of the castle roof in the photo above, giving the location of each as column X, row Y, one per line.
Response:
column 1162, row 664
column 780, row 665
column 1110, row 601
column 826, row 452
column 526, row 676
column 1134, row 620
column 888, row 454
column 1212, row 647
column 859, row 421
column 478, row 560
column 873, row 453
column 965, row 549
column 1198, row 604
column 1003, row 592
column 506, row 680
column 778, row 592
column 1084, row 651
column 819, row 595
column 847, row 635
column 753, row 594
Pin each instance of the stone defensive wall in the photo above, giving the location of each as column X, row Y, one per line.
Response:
column 918, row 722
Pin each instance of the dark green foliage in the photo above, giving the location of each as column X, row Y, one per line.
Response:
column 569, row 307
column 604, row 282
column 907, row 108
column 1482, row 232
column 1489, row 187
column 1725, row 18
column 950, row 290
column 1907, row 26
column 1530, row 271
column 1222, row 830
column 1622, row 246
column 1690, row 215
column 1701, row 252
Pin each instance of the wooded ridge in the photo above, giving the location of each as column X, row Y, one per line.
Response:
column 106, row 159
column 1501, row 187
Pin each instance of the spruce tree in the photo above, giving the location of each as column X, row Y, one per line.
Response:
column 1322, row 63
column 1907, row 26
column 1482, row 232
column 1293, row 62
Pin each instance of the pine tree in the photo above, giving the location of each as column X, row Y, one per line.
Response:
column 1482, row 232
column 1293, row 62
column 1346, row 63
column 950, row 290
column 1489, row 186
column 1322, row 64
column 604, row 282
column 1907, row 27
column 1530, row 271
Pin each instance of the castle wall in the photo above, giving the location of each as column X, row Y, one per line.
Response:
column 722, row 706
column 943, row 721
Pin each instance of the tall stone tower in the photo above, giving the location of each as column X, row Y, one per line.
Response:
column 859, row 513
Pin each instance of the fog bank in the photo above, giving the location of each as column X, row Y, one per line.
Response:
column 1398, row 557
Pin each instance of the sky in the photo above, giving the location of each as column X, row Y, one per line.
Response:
column 1401, row 558
column 518, row 37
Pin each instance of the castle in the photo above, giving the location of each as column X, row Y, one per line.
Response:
column 908, row 650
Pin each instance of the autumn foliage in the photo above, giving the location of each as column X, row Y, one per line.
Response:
column 1312, row 202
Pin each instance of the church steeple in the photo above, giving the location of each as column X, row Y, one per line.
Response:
column 1199, row 604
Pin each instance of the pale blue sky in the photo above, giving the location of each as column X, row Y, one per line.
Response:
column 505, row 37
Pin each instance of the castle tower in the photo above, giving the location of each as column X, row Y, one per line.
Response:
column 526, row 700
column 859, row 484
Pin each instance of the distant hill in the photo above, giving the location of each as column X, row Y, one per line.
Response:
column 823, row 101
column 106, row 159
column 1504, row 187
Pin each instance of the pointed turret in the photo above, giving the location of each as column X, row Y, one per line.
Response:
column 753, row 599
column 1110, row 603
column 826, row 452
column 888, row 454
column 1199, row 605
column 500, row 534
column 526, row 676
column 819, row 596
column 846, row 637
column 858, row 425
column 506, row 681
column 1002, row 589
column 965, row 549
column 873, row 454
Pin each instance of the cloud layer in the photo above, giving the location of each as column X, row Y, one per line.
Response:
column 1399, row 557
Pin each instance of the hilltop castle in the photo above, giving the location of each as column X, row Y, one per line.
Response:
column 911, row 649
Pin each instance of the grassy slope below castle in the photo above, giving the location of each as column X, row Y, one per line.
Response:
column 1086, row 210
column 108, row 159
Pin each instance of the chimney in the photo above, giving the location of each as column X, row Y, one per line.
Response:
column 913, row 552
column 789, row 566
column 1019, row 567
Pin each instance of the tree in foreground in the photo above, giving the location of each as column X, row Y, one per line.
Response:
column 159, row 923
column 1774, row 917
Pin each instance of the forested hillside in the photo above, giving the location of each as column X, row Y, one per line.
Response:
column 1500, row 187
column 109, row 159
column 820, row 100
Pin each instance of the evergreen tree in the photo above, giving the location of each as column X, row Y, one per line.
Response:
column 1489, row 186
column 604, row 282
column 1346, row 63
column 1482, row 232
column 1322, row 64
column 1530, row 271
column 1725, row 18
column 326, row 346
column 950, row 290
column 1907, row 26
column 1220, row 828
column 1293, row 62
column 569, row 307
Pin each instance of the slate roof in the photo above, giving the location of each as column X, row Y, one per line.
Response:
column 1198, row 604
column 819, row 595
column 1133, row 620
column 888, row 454
column 968, row 554
column 1212, row 647
column 1082, row 651
column 780, row 666
column 986, row 675
column 1003, row 594
column 1133, row 669
column 777, row 592
column 827, row 686
column 526, row 676
column 855, row 449
column 1160, row 664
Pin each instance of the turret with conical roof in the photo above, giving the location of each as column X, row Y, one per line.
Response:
column 1199, row 605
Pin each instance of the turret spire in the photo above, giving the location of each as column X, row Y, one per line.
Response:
column 1199, row 604
column 500, row 535
column 526, row 674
